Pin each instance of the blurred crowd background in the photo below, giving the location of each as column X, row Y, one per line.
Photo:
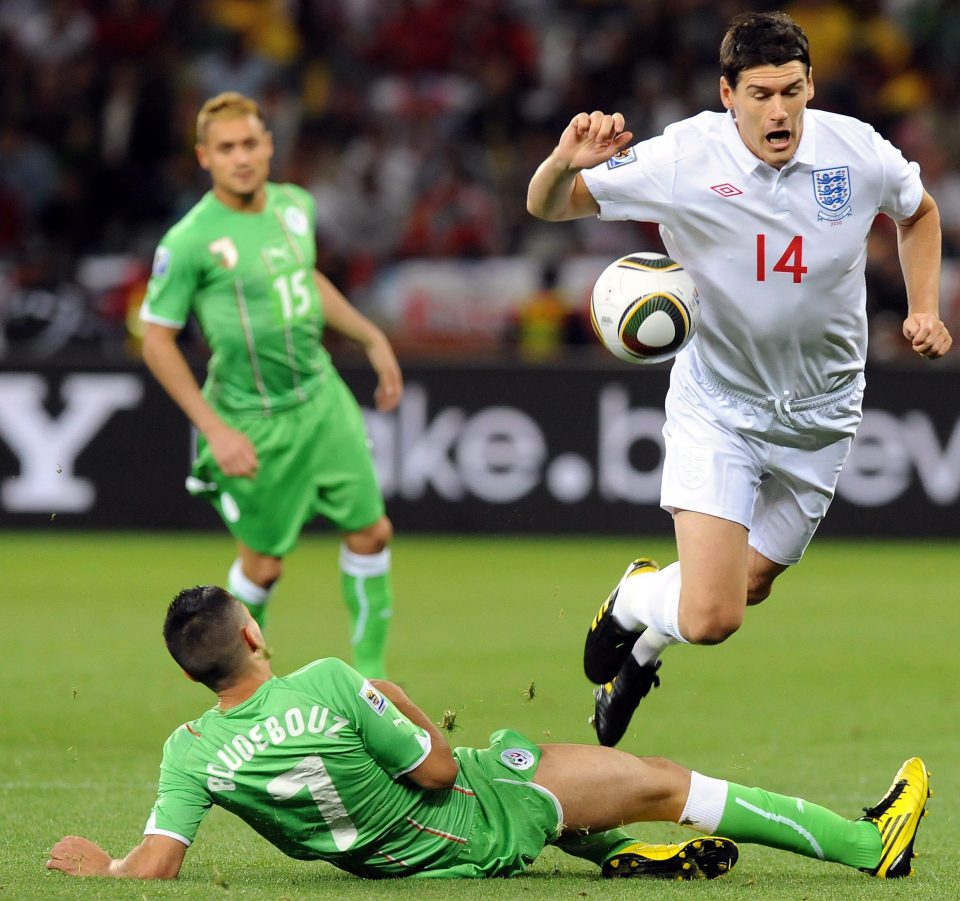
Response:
column 416, row 125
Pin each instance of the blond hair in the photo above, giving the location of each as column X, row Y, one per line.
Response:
column 228, row 105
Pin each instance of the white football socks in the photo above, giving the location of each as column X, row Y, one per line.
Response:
column 705, row 803
column 245, row 589
column 651, row 600
column 650, row 645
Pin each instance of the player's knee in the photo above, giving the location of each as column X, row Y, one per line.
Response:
column 713, row 626
column 372, row 539
column 267, row 571
column 758, row 592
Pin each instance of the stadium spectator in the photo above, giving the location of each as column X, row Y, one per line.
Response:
column 756, row 205
column 326, row 765
column 491, row 78
column 282, row 439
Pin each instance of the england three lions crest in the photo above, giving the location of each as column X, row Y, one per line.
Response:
column 832, row 190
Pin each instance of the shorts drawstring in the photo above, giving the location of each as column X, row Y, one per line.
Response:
column 781, row 406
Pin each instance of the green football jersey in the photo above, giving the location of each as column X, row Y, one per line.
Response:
column 248, row 277
column 314, row 762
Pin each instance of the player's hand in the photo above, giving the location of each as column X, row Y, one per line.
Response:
column 591, row 139
column 233, row 451
column 78, row 856
column 927, row 334
column 389, row 389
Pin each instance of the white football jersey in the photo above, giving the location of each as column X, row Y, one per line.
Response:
column 778, row 256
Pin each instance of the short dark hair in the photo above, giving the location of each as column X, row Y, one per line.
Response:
column 203, row 634
column 761, row 39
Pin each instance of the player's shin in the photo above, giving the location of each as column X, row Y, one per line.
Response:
column 778, row 821
column 596, row 847
column 368, row 594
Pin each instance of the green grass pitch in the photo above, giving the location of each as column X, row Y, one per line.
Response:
column 850, row 668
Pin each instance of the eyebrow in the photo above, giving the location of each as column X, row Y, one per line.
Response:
column 758, row 87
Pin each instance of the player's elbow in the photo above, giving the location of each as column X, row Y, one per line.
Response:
column 534, row 209
column 436, row 773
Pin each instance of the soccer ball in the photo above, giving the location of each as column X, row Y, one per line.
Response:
column 644, row 308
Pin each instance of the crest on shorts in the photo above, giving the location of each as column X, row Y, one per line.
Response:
column 622, row 157
column 377, row 702
column 831, row 187
column 693, row 466
column 518, row 758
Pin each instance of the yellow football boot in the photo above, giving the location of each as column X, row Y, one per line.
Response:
column 897, row 815
column 706, row 857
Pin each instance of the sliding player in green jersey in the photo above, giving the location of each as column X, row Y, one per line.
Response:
column 282, row 439
column 327, row 765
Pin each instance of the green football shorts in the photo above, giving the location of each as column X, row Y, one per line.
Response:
column 314, row 460
column 514, row 818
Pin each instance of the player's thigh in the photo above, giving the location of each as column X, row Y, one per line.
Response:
column 342, row 471
column 600, row 788
column 711, row 464
column 265, row 513
column 713, row 554
column 793, row 501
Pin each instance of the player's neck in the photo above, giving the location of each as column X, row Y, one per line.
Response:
column 245, row 687
column 242, row 203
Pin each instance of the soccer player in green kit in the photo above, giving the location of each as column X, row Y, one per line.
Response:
column 281, row 438
column 327, row 765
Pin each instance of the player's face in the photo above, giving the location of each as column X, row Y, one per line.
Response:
column 769, row 102
column 236, row 153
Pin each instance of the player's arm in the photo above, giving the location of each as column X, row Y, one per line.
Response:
column 343, row 317
column 919, row 239
column 439, row 768
column 156, row 857
column 231, row 449
column 557, row 191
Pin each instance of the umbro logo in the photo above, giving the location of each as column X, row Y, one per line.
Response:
column 726, row 189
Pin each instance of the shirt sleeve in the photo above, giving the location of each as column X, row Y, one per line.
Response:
column 902, row 188
column 181, row 801
column 638, row 182
column 173, row 283
column 391, row 739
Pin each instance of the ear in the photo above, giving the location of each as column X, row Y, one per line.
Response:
column 188, row 675
column 253, row 636
column 726, row 93
column 810, row 84
column 202, row 157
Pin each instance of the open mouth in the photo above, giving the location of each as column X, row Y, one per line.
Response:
column 778, row 140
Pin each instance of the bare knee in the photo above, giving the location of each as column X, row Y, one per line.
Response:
column 263, row 570
column 710, row 620
column 758, row 590
column 372, row 539
column 761, row 574
column 713, row 627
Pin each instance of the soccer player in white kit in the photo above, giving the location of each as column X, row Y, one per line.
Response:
column 768, row 206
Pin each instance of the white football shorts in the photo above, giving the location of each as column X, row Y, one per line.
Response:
column 770, row 464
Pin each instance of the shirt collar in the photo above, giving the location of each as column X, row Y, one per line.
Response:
column 747, row 161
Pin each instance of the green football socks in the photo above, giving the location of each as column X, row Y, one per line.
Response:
column 368, row 595
column 596, row 847
column 792, row 824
